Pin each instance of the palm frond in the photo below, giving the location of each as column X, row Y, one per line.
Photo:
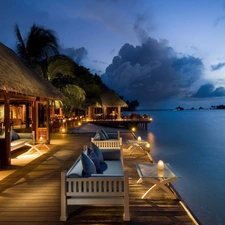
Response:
column 20, row 45
column 41, row 41
column 60, row 64
column 75, row 91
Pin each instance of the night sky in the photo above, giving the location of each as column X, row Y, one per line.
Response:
column 163, row 53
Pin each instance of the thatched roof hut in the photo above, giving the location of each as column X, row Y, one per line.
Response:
column 110, row 99
column 109, row 103
column 19, row 82
column 18, row 78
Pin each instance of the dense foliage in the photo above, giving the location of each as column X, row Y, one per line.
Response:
column 39, row 49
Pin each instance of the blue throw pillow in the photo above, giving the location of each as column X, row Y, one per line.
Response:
column 94, row 158
column 102, row 136
column 88, row 165
column 14, row 135
column 105, row 134
column 97, row 136
column 97, row 152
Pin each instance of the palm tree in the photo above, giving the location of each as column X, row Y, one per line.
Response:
column 39, row 43
column 39, row 49
column 74, row 98
column 52, row 67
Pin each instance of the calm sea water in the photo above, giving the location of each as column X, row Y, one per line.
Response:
column 193, row 142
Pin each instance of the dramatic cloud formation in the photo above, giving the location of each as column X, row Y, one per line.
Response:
column 217, row 66
column 208, row 91
column 152, row 72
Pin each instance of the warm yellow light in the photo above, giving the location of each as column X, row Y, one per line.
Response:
column 161, row 165
column 147, row 145
column 150, row 119
column 160, row 173
column 139, row 138
column 79, row 123
column 63, row 130
column 133, row 129
column 41, row 138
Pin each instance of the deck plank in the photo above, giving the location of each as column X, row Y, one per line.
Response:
column 30, row 190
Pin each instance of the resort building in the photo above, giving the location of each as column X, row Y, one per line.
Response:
column 107, row 107
column 24, row 100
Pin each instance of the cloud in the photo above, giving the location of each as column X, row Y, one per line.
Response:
column 99, row 62
column 208, row 91
column 219, row 20
column 217, row 66
column 152, row 72
column 78, row 55
column 142, row 27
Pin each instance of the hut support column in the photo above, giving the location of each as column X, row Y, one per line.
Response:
column 89, row 112
column 104, row 112
column 60, row 111
column 119, row 113
column 27, row 115
column 34, row 119
column 6, row 150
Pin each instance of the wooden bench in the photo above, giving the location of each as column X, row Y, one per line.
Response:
column 97, row 189
column 108, row 144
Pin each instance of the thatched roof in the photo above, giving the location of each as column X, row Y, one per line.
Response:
column 16, row 77
column 109, row 98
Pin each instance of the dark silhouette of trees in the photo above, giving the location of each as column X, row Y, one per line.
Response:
column 37, row 45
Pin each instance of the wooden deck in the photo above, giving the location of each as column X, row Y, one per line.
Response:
column 30, row 190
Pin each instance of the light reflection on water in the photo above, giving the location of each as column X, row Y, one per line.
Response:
column 193, row 142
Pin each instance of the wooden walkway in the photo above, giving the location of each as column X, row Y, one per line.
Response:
column 30, row 190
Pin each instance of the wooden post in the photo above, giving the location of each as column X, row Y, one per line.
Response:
column 126, row 215
column 104, row 112
column 34, row 118
column 48, row 121
column 27, row 115
column 119, row 113
column 6, row 150
column 89, row 113
column 63, row 216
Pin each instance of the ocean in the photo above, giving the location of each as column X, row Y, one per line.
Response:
column 193, row 143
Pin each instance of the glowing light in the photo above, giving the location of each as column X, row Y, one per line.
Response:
column 139, row 138
column 160, row 173
column 161, row 165
column 79, row 123
column 63, row 130
column 133, row 129
column 41, row 138
column 147, row 145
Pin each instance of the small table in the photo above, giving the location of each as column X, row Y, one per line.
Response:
column 137, row 144
column 160, row 179
column 35, row 145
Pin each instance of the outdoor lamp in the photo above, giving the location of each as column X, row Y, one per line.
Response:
column 133, row 129
column 139, row 138
column 79, row 123
column 161, row 165
column 147, row 145
column 63, row 130
column 160, row 173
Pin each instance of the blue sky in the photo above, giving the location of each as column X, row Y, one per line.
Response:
column 164, row 53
